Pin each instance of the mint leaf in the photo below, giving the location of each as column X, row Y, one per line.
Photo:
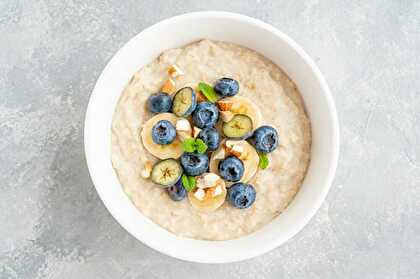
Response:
column 185, row 181
column 189, row 145
column 192, row 145
column 193, row 182
column 200, row 146
column 188, row 182
column 208, row 91
column 263, row 164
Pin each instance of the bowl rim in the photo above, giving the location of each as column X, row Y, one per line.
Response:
column 331, row 112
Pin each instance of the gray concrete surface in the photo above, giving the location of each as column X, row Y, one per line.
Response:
column 52, row 223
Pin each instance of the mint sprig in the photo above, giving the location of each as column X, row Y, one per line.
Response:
column 192, row 145
column 264, row 162
column 189, row 145
column 189, row 182
column 208, row 91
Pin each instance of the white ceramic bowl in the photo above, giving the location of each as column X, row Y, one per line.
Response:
column 245, row 31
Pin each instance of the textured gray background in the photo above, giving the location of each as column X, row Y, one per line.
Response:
column 52, row 223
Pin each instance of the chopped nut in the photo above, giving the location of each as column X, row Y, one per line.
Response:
column 183, row 129
column 226, row 115
column 200, row 96
column 207, row 180
column 230, row 143
column 217, row 191
column 147, row 169
column 219, row 154
column 183, row 124
column 236, row 148
column 168, row 86
column 200, row 194
column 174, row 71
column 196, row 131
column 224, row 105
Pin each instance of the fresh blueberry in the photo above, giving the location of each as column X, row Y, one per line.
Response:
column 159, row 102
column 184, row 102
column 231, row 169
column 205, row 115
column 265, row 139
column 194, row 164
column 164, row 132
column 177, row 192
column 226, row 87
column 211, row 138
column 241, row 195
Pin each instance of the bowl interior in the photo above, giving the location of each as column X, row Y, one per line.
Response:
column 247, row 32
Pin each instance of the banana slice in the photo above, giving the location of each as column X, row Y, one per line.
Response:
column 241, row 149
column 242, row 105
column 172, row 150
column 208, row 199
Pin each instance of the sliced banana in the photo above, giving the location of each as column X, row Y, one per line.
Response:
column 172, row 150
column 241, row 149
column 242, row 105
column 208, row 199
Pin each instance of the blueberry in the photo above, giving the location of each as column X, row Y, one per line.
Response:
column 159, row 102
column 211, row 138
column 226, row 87
column 164, row 132
column 194, row 164
column 184, row 102
column 241, row 195
column 205, row 115
column 177, row 192
column 231, row 169
column 265, row 139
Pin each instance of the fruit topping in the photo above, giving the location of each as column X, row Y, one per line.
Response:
column 163, row 132
column 177, row 192
column 205, row 115
column 241, row 195
column 184, row 102
column 172, row 150
column 241, row 149
column 159, row 102
column 166, row 173
column 240, row 127
column 208, row 199
column 211, row 138
column 265, row 139
column 194, row 164
column 231, row 169
column 226, row 87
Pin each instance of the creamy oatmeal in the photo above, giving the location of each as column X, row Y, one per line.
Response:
column 280, row 106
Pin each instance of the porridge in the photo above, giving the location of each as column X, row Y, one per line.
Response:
column 211, row 140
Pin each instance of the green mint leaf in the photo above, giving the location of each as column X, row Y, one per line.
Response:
column 188, row 182
column 189, row 145
column 200, row 146
column 193, row 182
column 208, row 91
column 263, row 164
